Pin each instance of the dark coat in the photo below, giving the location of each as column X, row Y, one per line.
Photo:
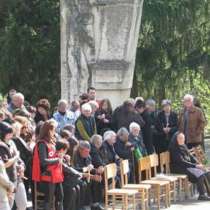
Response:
column 101, row 125
column 122, row 118
column 147, row 132
column 85, row 127
column 162, row 139
column 122, row 150
column 182, row 162
column 108, row 152
column 97, row 157
column 137, row 141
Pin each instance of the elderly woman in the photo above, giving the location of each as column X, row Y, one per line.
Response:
column 136, row 139
column 182, row 162
column 107, row 149
column 85, row 124
column 166, row 125
column 124, row 149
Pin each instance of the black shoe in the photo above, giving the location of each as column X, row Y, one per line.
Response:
column 100, row 207
column 203, row 198
column 97, row 206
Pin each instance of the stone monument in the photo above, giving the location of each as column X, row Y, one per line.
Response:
column 98, row 47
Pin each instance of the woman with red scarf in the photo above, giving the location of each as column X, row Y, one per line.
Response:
column 47, row 167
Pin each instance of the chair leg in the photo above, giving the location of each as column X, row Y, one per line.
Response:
column 143, row 200
column 158, row 196
column 134, row 202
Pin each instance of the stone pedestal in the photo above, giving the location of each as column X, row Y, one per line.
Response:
column 98, row 47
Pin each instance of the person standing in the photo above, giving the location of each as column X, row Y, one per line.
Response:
column 191, row 122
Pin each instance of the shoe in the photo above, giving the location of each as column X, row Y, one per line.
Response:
column 203, row 198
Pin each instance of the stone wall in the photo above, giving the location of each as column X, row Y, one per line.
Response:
column 98, row 47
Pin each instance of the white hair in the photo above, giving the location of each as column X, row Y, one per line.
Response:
column 93, row 104
column 95, row 138
column 86, row 107
column 188, row 97
column 108, row 135
column 133, row 125
column 18, row 95
column 62, row 101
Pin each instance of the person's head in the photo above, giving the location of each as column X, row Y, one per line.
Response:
column 12, row 92
column 110, row 137
column 123, row 134
column 86, row 110
column 75, row 105
column 140, row 106
column 70, row 128
column 43, row 106
column 150, row 105
column 62, row 146
column 106, row 105
column 84, row 98
column 180, row 139
column 6, row 132
column 65, row 134
column 134, row 128
column 62, row 106
column 96, row 140
column 166, row 104
column 94, row 106
column 92, row 93
column 129, row 105
column 84, row 149
column 188, row 101
column 48, row 131
column 16, row 127
column 18, row 100
column 24, row 123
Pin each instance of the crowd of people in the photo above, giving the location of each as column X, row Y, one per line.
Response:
column 61, row 152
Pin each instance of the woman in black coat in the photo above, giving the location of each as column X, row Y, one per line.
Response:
column 166, row 126
column 182, row 162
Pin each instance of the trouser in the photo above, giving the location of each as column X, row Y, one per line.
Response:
column 71, row 195
column 53, row 195
column 201, row 185
column 97, row 192
column 19, row 197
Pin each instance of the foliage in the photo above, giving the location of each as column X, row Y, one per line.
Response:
column 29, row 54
column 173, row 55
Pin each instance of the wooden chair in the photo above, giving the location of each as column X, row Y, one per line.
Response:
column 113, row 195
column 143, row 189
column 160, row 188
column 38, row 199
column 183, row 183
column 199, row 154
column 154, row 163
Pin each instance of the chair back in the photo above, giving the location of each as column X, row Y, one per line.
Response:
column 154, row 162
column 144, row 165
column 110, row 173
column 124, row 170
column 165, row 162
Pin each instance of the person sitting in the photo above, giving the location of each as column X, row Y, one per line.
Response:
column 182, row 162
column 136, row 138
column 82, row 162
column 103, row 116
column 108, row 150
column 124, row 149
column 85, row 124
column 63, row 116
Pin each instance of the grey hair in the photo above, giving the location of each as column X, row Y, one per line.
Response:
column 134, row 125
column 95, row 138
column 188, row 97
column 150, row 102
column 108, row 135
column 122, row 131
column 84, row 145
column 62, row 101
column 18, row 95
